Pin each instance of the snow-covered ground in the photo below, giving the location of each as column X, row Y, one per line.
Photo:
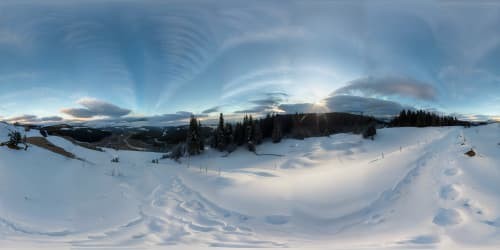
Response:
column 409, row 188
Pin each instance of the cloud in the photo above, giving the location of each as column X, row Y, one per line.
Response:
column 271, row 99
column 333, row 103
column 291, row 108
column 21, row 118
column 94, row 108
column 211, row 110
column 256, row 109
column 267, row 35
column 178, row 117
column 267, row 104
column 366, row 105
column 34, row 119
column 477, row 117
column 50, row 119
column 390, row 86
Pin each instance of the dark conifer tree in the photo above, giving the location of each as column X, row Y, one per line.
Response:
column 257, row 133
column 193, row 140
column 220, row 134
column 277, row 131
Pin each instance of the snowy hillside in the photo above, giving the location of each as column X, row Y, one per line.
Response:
column 408, row 188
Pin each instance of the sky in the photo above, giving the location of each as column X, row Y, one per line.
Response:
column 162, row 61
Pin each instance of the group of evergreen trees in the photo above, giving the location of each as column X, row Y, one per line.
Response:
column 227, row 137
column 251, row 132
column 421, row 118
column 194, row 141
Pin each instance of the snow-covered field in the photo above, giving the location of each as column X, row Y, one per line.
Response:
column 409, row 188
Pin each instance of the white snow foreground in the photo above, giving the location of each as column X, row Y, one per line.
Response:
column 409, row 188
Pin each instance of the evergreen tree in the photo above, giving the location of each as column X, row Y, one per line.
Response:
column 257, row 133
column 220, row 135
column 228, row 135
column 239, row 134
column 193, row 140
column 277, row 132
column 267, row 126
column 202, row 138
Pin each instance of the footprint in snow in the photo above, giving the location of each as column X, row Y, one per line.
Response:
column 451, row 171
column 449, row 192
column 447, row 217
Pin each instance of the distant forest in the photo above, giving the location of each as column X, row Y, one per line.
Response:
column 421, row 118
column 251, row 132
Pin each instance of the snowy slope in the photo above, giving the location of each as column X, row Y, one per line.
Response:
column 409, row 188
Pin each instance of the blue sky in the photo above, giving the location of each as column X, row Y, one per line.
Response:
column 163, row 60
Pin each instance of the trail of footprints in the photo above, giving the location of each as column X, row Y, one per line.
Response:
column 179, row 214
column 452, row 194
column 449, row 193
column 176, row 214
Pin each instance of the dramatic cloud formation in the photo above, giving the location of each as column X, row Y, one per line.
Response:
column 94, row 107
column 368, row 106
column 333, row 103
column 159, row 57
column 268, row 104
column 390, row 86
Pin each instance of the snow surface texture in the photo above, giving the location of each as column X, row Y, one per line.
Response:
column 409, row 188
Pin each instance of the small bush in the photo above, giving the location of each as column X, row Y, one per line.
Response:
column 370, row 132
column 14, row 139
column 470, row 153
column 177, row 152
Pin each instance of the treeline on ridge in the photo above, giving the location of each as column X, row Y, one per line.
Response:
column 250, row 132
column 421, row 118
